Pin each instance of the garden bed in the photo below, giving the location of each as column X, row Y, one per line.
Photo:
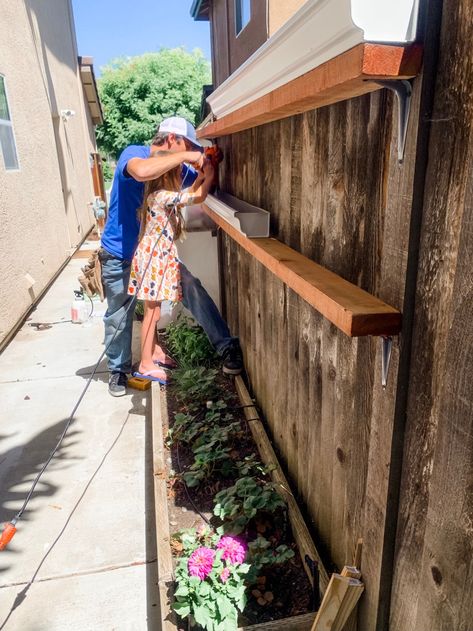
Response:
column 230, row 535
column 170, row 517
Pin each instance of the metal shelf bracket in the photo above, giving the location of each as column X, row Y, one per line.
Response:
column 387, row 346
column 402, row 88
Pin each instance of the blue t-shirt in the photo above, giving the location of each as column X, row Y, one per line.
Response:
column 120, row 235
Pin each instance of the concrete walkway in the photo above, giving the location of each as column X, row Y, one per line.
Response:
column 87, row 537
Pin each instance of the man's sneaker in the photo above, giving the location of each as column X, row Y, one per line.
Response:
column 232, row 360
column 117, row 384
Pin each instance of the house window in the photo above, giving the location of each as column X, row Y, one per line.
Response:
column 7, row 139
column 242, row 14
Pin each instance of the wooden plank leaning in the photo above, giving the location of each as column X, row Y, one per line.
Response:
column 339, row 600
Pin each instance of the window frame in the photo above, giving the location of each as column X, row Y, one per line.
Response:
column 9, row 123
column 239, row 16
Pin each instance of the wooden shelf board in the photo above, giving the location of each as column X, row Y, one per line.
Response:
column 350, row 308
column 346, row 76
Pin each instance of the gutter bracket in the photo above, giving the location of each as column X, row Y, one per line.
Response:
column 386, row 351
column 402, row 88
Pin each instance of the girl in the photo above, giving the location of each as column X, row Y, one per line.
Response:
column 155, row 274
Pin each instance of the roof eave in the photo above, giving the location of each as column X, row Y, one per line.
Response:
column 200, row 10
column 89, row 84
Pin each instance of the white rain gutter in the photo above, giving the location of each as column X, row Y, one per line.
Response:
column 319, row 31
column 249, row 220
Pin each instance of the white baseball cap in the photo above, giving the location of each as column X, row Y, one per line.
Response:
column 181, row 127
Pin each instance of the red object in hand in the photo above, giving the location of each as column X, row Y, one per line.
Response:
column 215, row 155
column 7, row 535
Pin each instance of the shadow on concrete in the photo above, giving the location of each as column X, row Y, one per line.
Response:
column 19, row 466
column 137, row 398
column 101, row 374
column 22, row 594
column 141, row 405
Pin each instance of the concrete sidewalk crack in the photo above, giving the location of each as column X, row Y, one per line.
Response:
column 54, row 377
column 99, row 570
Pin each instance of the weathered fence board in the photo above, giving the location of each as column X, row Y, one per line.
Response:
column 336, row 193
column 317, row 388
column 433, row 580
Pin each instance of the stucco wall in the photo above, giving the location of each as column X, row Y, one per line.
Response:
column 40, row 223
column 279, row 12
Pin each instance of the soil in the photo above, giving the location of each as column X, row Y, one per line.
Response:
column 282, row 590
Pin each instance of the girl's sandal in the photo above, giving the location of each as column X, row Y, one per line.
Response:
column 149, row 375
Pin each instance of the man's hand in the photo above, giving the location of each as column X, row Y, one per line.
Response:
column 196, row 158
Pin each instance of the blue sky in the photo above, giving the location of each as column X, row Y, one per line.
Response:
column 107, row 29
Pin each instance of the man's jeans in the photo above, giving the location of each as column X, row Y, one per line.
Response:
column 115, row 276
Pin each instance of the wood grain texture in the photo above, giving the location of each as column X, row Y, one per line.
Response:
column 357, row 216
column 349, row 308
column 339, row 601
column 317, row 387
column 296, row 623
column 348, row 75
column 433, row 580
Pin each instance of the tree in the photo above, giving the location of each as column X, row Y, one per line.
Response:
column 137, row 93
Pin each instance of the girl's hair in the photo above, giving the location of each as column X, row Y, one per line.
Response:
column 169, row 181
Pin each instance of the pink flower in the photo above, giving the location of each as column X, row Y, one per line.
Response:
column 200, row 562
column 225, row 575
column 234, row 550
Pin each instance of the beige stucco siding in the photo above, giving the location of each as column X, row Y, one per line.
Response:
column 39, row 223
column 279, row 12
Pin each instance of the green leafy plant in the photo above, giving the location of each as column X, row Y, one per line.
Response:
column 211, row 580
column 261, row 554
column 195, row 386
column 189, row 344
column 139, row 309
column 240, row 503
column 251, row 465
column 108, row 170
column 187, row 427
column 212, row 453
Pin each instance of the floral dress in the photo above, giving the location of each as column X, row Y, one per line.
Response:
column 161, row 279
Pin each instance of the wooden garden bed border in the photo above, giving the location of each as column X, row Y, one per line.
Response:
column 350, row 308
column 164, row 560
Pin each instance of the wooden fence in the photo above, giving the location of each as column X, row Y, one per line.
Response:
column 403, row 232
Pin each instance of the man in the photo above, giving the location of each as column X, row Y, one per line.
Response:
column 119, row 240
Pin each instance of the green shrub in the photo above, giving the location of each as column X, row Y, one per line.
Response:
column 188, row 344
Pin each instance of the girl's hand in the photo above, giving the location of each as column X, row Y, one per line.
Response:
column 208, row 170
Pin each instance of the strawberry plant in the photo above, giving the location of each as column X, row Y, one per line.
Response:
column 195, row 386
column 189, row 344
column 240, row 503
